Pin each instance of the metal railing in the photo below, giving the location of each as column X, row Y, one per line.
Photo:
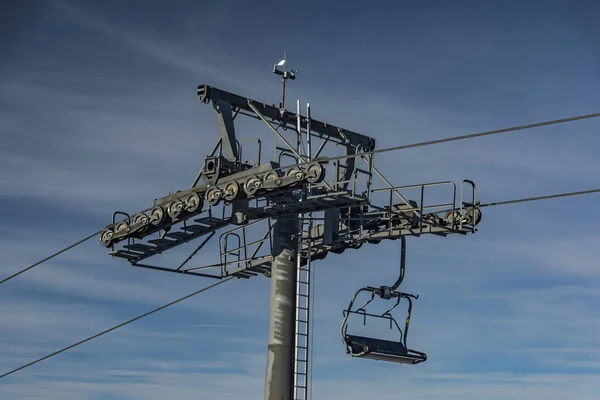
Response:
column 244, row 252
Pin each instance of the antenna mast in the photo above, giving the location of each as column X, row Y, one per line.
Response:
column 285, row 75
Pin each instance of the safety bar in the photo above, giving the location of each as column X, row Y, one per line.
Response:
column 473, row 197
column 263, row 239
column 225, row 253
column 259, row 149
column 127, row 218
column 385, row 315
column 422, row 209
column 243, row 245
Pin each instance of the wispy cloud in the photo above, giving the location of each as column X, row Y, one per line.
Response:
column 192, row 56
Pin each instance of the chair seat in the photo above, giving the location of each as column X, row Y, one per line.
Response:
column 383, row 350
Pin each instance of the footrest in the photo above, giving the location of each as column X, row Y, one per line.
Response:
column 129, row 256
column 211, row 222
column 161, row 242
column 180, row 236
column 142, row 248
column 195, row 228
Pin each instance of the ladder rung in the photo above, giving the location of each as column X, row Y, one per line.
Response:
column 298, row 359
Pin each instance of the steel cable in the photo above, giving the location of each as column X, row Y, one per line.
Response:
column 69, row 247
column 389, row 149
column 551, row 196
column 116, row 327
column 50, row 257
column 471, row 135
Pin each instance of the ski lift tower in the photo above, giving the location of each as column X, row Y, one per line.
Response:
column 274, row 219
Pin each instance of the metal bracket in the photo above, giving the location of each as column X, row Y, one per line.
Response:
column 226, row 128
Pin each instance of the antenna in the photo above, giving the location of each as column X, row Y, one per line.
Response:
column 285, row 75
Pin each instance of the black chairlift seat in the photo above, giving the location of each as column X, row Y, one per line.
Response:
column 382, row 350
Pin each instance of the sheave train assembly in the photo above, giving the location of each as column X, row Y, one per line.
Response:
column 325, row 201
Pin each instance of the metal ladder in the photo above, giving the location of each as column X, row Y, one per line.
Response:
column 301, row 346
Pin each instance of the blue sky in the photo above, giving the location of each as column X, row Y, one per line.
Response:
column 98, row 113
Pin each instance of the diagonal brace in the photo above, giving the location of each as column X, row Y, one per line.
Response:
column 259, row 115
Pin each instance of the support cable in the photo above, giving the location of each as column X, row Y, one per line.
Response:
column 402, row 147
column 499, row 203
column 469, row 136
column 116, row 327
column 85, row 239
column 552, row 196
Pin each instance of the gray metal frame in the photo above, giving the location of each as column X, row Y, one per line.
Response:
column 334, row 204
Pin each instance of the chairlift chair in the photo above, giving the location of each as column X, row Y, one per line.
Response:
column 380, row 349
